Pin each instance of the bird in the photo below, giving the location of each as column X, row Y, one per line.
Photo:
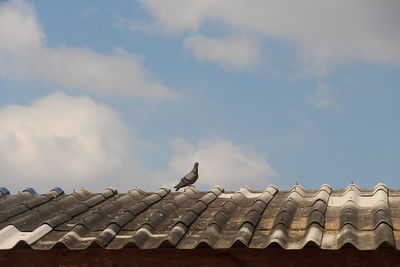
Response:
column 190, row 178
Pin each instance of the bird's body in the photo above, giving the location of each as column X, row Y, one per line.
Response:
column 189, row 178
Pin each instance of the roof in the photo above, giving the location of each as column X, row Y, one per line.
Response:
column 292, row 219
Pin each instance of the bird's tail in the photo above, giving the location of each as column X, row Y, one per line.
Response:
column 177, row 188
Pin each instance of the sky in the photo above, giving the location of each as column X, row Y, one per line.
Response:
column 128, row 94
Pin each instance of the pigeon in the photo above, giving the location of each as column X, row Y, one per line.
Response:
column 189, row 178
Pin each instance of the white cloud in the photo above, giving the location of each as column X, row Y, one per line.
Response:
column 357, row 29
column 325, row 97
column 237, row 52
column 223, row 163
column 68, row 141
column 24, row 55
column 61, row 137
column 72, row 141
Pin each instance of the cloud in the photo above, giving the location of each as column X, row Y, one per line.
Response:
column 25, row 56
column 325, row 97
column 134, row 25
column 67, row 141
column 223, row 163
column 61, row 137
column 72, row 141
column 358, row 29
column 237, row 52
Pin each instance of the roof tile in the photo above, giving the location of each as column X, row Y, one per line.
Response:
column 292, row 219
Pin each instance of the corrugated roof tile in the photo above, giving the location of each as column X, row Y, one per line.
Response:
column 292, row 219
column 4, row 192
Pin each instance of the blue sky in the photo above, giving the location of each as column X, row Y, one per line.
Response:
column 131, row 93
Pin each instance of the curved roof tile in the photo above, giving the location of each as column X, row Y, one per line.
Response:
column 325, row 217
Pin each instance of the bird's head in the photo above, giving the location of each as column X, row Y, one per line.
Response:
column 195, row 167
